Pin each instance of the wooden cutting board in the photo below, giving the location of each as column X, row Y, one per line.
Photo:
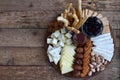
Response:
column 57, row 25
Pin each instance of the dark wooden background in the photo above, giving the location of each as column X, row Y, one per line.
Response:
column 23, row 27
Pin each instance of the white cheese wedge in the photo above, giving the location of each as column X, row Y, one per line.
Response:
column 50, row 58
column 103, row 43
column 101, row 36
column 68, row 35
column 49, row 40
column 55, row 51
column 54, row 41
column 56, row 33
column 56, row 59
column 49, row 48
column 67, row 58
column 63, row 30
column 65, row 70
column 102, row 40
column 107, row 56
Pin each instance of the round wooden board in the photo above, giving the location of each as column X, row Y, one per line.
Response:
column 57, row 25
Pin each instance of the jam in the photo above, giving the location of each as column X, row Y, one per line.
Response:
column 92, row 27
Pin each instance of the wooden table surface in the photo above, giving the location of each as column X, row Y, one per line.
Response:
column 23, row 27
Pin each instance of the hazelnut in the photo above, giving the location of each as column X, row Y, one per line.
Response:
column 78, row 55
column 77, row 67
column 79, row 50
column 78, row 61
column 76, row 73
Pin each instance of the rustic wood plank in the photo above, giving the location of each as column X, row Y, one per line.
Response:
column 23, row 56
column 43, row 19
column 29, row 37
column 117, row 36
column 26, row 73
column 24, row 5
column 22, row 37
column 30, row 55
column 29, row 19
column 49, row 73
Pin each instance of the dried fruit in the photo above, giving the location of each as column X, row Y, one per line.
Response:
column 79, row 50
column 76, row 73
column 77, row 67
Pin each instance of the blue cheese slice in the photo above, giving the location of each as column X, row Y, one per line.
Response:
column 55, row 51
column 49, row 56
column 49, row 40
column 68, row 35
column 54, row 41
column 56, row 59
column 56, row 33
column 63, row 30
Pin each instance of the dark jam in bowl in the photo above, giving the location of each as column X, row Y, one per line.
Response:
column 92, row 27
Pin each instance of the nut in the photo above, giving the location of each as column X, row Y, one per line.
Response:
column 93, row 59
column 94, row 63
column 98, row 60
column 98, row 66
column 90, row 73
column 98, row 69
column 105, row 62
column 91, row 66
column 102, row 67
column 93, row 70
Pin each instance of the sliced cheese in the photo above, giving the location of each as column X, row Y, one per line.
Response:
column 55, row 51
column 68, row 35
column 56, row 33
column 56, row 59
column 49, row 40
column 63, row 30
column 65, row 70
column 54, row 41
column 50, row 58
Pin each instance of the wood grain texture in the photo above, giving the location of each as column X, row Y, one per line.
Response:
column 29, row 37
column 23, row 28
column 43, row 19
column 49, row 73
column 23, row 56
column 33, row 5
column 22, row 37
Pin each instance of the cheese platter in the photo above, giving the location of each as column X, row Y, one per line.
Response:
column 80, row 43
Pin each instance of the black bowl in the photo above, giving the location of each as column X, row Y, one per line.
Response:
column 92, row 27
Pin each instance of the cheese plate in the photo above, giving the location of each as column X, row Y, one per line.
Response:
column 80, row 42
